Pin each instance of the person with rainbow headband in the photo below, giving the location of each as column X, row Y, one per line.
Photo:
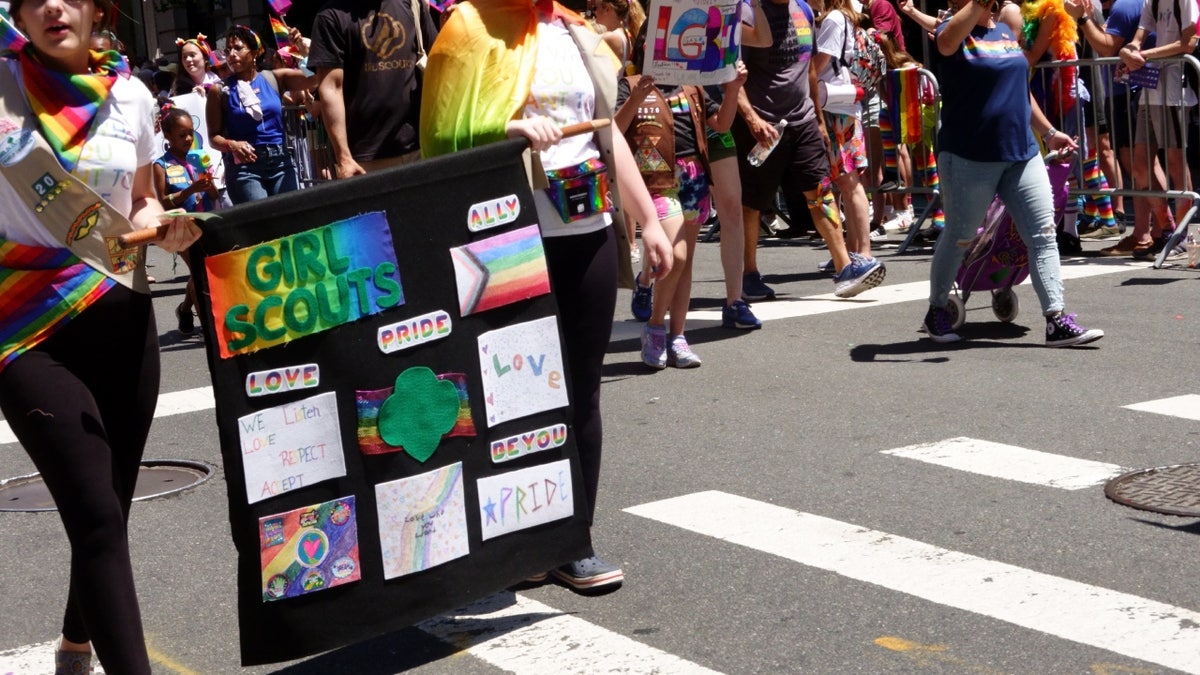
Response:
column 195, row 56
column 523, row 69
column 79, row 359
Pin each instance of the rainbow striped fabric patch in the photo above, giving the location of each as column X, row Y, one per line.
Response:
column 500, row 270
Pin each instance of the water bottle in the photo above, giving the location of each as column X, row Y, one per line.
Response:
column 1193, row 251
column 760, row 152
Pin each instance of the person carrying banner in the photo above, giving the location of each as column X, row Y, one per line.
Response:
column 782, row 88
column 523, row 69
column 365, row 54
column 79, row 362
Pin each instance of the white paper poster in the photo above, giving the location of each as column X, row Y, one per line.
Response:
column 422, row 521
column 520, row 499
column 290, row 446
column 693, row 41
column 522, row 369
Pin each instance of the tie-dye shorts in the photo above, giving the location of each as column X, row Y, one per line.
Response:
column 689, row 197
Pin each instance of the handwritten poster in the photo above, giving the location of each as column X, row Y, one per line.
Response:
column 500, row 270
column 422, row 521
column 522, row 369
column 693, row 41
column 525, row 498
column 309, row 549
column 291, row 446
column 302, row 284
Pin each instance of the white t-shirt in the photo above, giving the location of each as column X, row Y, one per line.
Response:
column 120, row 141
column 563, row 91
column 831, row 39
column 1171, row 90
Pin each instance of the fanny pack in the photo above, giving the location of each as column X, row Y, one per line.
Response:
column 579, row 191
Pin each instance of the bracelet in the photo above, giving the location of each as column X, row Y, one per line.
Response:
column 1048, row 135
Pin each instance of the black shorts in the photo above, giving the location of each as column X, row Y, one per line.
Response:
column 1123, row 123
column 799, row 163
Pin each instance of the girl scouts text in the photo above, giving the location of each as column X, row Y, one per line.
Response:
column 304, row 283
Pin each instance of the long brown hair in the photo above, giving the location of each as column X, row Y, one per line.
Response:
column 631, row 13
column 845, row 7
column 895, row 57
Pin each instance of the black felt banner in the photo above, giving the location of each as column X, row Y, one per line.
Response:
column 265, row 391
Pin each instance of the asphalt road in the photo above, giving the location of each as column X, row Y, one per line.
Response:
column 760, row 521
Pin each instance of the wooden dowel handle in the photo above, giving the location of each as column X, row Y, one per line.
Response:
column 147, row 236
column 585, row 127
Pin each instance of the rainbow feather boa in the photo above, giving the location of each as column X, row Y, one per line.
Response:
column 1061, row 48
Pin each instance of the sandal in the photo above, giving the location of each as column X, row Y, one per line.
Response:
column 1126, row 246
column 70, row 662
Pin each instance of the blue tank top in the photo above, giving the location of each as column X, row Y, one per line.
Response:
column 179, row 176
column 240, row 126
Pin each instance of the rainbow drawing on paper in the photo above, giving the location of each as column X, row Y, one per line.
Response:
column 309, row 549
column 500, row 270
column 693, row 41
column 369, row 403
column 422, row 521
column 303, row 284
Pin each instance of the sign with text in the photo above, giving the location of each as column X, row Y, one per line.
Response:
column 364, row 408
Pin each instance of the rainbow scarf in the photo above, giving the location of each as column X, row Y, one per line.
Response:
column 480, row 72
column 43, row 289
column 66, row 104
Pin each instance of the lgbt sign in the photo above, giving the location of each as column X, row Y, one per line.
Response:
column 391, row 400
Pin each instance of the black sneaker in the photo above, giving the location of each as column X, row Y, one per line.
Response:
column 1061, row 331
column 1068, row 244
column 187, row 322
column 939, row 325
column 590, row 575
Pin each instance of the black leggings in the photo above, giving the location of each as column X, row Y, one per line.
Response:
column 81, row 405
column 583, row 269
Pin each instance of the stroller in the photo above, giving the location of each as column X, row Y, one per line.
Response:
column 996, row 260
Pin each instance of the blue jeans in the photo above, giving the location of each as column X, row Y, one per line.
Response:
column 967, row 190
column 271, row 173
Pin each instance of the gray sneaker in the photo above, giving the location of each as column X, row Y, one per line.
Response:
column 590, row 575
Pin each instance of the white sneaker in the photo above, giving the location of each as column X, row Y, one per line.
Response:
column 900, row 221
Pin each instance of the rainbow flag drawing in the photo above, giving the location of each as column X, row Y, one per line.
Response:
column 500, row 270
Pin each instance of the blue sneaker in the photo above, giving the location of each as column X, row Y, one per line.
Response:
column 827, row 267
column 643, row 299
column 860, row 275
column 738, row 315
column 753, row 288
column 680, row 354
column 654, row 346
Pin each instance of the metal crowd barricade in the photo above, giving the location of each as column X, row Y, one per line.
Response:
column 1099, row 74
column 1107, row 76
column 308, row 145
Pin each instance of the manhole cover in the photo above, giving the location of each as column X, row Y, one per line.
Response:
column 1173, row 490
column 156, row 478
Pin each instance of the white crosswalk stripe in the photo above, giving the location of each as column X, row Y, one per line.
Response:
column 521, row 635
column 1119, row 622
column 1011, row 463
column 1186, row 406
